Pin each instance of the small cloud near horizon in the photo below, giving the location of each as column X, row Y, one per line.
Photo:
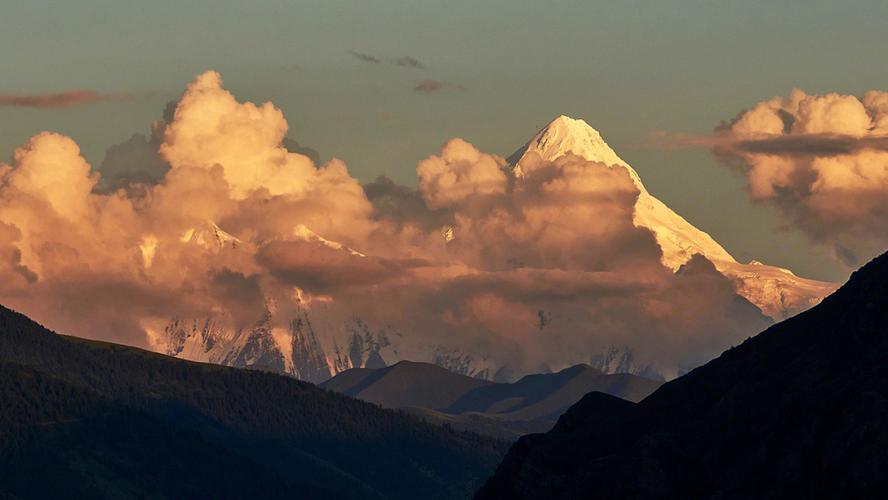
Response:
column 404, row 61
column 428, row 86
column 58, row 100
column 365, row 57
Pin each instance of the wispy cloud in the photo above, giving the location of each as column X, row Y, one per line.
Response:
column 365, row 57
column 822, row 145
column 58, row 100
column 404, row 61
column 409, row 62
column 428, row 86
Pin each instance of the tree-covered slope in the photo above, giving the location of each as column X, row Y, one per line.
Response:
column 90, row 419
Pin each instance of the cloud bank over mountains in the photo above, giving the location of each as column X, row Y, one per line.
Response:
column 518, row 273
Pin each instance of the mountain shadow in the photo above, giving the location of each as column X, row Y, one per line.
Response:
column 506, row 410
column 799, row 411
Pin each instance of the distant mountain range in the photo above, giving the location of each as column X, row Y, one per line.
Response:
column 305, row 350
column 799, row 411
column 86, row 419
column 507, row 410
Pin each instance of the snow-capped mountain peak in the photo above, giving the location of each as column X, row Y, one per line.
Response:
column 678, row 239
column 210, row 236
column 776, row 291
column 566, row 135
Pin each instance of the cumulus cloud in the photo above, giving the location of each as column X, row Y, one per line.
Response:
column 459, row 172
column 58, row 100
column 231, row 220
column 134, row 161
column 141, row 255
column 823, row 161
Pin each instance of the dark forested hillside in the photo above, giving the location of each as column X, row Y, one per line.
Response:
column 799, row 411
column 92, row 420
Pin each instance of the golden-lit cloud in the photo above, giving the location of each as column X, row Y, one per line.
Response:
column 459, row 172
column 822, row 160
column 225, row 221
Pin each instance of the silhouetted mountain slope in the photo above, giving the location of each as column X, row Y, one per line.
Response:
column 532, row 404
column 801, row 410
column 89, row 419
column 549, row 395
column 404, row 384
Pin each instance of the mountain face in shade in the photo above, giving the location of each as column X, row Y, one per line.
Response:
column 776, row 291
column 85, row 419
column 532, row 404
column 405, row 384
column 798, row 411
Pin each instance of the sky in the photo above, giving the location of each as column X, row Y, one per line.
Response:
column 505, row 69
column 332, row 177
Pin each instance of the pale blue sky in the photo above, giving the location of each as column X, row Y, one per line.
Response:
column 627, row 67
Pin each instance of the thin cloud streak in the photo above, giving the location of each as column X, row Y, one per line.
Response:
column 428, row 86
column 823, row 145
column 59, row 100
column 365, row 57
column 404, row 61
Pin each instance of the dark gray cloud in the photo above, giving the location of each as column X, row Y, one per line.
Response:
column 241, row 294
column 409, row 62
column 403, row 61
column 365, row 57
column 805, row 145
column 403, row 205
column 294, row 147
column 134, row 161
column 317, row 269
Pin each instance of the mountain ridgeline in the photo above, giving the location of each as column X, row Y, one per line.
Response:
column 506, row 410
column 798, row 411
column 85, row 419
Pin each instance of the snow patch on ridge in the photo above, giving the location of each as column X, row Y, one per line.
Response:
column 302, row 232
